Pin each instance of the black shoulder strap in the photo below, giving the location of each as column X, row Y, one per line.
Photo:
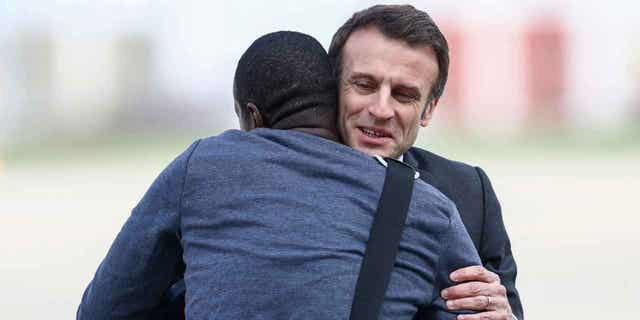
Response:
column 382, row 247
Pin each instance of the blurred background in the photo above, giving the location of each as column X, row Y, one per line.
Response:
column 97, row 97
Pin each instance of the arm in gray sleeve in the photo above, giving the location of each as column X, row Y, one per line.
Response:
column 144, row 258
column 457, row 251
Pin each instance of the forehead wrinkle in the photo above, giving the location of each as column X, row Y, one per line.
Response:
column 380, row 51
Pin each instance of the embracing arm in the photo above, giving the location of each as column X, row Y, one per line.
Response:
column 457, row 252
column 495, row 247
column 145, row 256
column 471, row 190
column 490, row 288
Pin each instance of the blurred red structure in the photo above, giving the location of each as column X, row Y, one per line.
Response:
column 453, row 97
column 545, row 46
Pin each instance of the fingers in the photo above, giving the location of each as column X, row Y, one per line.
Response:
column 490, row 315
column 474, row 273
column 481, row 291
column 472, row 289
column 479, row 303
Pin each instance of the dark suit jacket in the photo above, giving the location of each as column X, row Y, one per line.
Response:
column 469, row 188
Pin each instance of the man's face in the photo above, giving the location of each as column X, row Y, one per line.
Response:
column 384, row 86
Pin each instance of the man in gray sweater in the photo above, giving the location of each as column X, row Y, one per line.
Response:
column 273, row 223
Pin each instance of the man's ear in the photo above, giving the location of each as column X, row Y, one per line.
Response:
column 427, row 114
column 255, row 116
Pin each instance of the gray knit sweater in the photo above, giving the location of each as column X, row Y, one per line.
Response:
column 273, row 225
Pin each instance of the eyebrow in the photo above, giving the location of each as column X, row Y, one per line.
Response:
column 356, row 74
column 415, row 90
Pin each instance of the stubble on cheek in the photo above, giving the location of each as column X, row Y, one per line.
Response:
column 343, row 114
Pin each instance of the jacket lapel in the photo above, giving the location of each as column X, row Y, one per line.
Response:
column 423, row 167
column 426, row 173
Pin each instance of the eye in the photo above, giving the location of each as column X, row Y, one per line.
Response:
column 364, row 85
column 405, row 97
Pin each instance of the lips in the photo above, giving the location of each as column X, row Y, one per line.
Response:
column 375, row 132
column 370, row 137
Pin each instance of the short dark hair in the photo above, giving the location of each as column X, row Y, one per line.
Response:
column 288, row 76
column 400, row 22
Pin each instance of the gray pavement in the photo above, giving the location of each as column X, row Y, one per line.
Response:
column 573, row 223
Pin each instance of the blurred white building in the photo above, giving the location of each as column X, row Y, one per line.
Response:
column 83, row 68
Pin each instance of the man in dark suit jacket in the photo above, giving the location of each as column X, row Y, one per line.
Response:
column 470, row 189
column 392, row 65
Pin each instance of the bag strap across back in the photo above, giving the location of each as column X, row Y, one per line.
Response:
column 382, row 247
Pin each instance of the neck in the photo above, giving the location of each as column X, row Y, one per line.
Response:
column 320, row 132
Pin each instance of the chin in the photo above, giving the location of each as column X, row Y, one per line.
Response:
column 376, row 152
column 389, row 153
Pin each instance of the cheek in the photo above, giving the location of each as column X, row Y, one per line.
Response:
column 347, row 110
column 354, row 105
column 409, row 119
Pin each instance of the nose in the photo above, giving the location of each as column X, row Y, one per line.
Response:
column 381, row 107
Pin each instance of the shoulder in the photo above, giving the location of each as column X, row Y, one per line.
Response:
column 230, row 143
column 441, row 167
column 424, row 194
column 227, row 136
column 462, row 183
